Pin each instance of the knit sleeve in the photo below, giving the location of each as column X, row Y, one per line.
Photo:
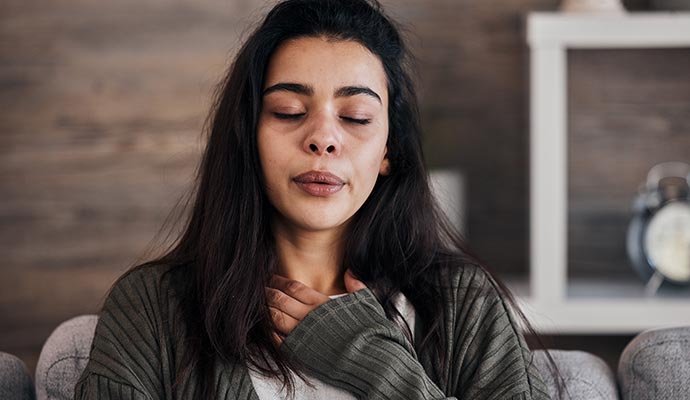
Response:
column 125, row 359
column 94, row 386
column 491, row 359
column 348, row 342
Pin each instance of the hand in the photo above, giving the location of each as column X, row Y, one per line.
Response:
column 290, row 301
column 351, row 283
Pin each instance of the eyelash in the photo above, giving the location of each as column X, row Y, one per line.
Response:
column 356, row 121
column 296, row 116
column 288, row 116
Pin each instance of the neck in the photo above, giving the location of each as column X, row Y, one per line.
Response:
column 311, row 257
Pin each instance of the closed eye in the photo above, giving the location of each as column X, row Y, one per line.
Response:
column 288, row 116
column 356, row 121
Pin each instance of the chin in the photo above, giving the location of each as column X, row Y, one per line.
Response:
column 312, row 225
column 315, row 219
column 310, row 217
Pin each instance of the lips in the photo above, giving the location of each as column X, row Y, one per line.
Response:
column 319, row 183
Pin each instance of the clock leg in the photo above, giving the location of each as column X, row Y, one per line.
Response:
column 653, row 284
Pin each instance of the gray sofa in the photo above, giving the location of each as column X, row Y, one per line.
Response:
column 654, row 365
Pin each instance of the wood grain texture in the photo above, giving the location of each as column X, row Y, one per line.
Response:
column 102, row 109
column 628, row 110
column 102, row 106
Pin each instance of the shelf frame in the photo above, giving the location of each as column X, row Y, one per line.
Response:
column 550, row 35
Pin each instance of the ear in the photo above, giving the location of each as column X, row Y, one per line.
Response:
column 385, row 168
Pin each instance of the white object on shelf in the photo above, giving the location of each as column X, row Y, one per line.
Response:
column 448, row 187
column 606, row 6
column 548, row 304
column 560, row 31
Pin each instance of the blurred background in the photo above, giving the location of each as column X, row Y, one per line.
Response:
column 101, row 113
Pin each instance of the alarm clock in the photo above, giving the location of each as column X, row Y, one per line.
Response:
column 658, row 238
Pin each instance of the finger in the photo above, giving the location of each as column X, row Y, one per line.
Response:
column 298, row 290
column 283, row 322
column 352, row 284
column 287, row 304
column 278, row 338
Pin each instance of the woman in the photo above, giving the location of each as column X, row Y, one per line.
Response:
column 314, row 262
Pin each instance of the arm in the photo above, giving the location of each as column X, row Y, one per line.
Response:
column 125, row 359
column 490, row 356
column 349, row 343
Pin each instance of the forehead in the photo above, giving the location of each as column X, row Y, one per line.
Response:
column 326, row 64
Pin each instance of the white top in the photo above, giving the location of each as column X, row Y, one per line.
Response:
column 269, row 388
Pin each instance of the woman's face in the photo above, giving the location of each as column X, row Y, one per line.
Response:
column 322, row 131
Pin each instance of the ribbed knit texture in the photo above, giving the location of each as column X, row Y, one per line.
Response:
column 347, row 342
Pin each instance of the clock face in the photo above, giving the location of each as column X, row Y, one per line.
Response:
column 667, row 241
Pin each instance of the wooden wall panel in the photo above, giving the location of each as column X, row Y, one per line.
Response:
column 101, row 109
column 628, row 110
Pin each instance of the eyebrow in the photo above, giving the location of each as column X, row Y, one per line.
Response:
column 355, row 90
column 290, row 87
column 307, row 90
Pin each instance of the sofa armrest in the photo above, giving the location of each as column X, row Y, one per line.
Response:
column 656, row 365
column 64, row 357
column 15, row 381
column 586, row 376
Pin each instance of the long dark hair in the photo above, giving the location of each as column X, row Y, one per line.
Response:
column 397, row 242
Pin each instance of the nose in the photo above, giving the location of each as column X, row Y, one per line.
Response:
column 315, row 148
column 323, row 138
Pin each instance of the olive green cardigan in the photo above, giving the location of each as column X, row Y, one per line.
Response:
column 347, row 342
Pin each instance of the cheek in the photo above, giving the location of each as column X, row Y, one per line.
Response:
column 275, row 162
column 371, row 163
column 269, row 166
column 266, row 156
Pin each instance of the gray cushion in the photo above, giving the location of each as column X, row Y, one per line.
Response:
column 15, row 381
column 64, row 357
column 656, row 365
column 585, row 375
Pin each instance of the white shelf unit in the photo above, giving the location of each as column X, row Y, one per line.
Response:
column 552, row 303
